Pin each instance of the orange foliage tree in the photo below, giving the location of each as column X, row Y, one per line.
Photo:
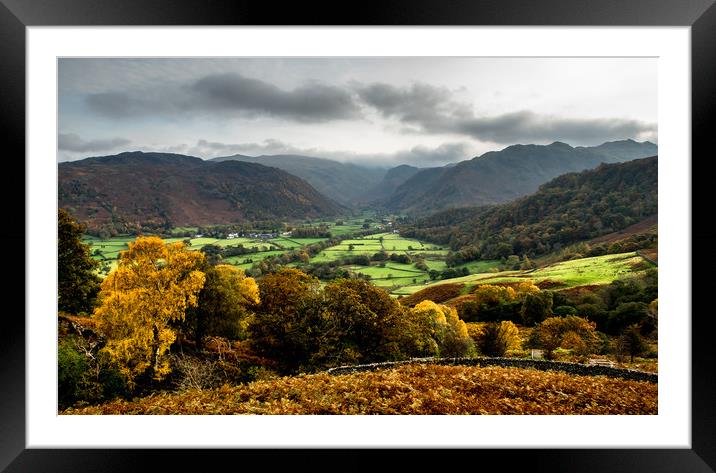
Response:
column 449, row 332
column 572, row 332
column 153, row 285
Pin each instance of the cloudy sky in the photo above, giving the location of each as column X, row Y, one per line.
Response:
column 376, row 111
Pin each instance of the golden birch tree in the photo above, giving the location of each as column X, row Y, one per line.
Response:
column 153, row 285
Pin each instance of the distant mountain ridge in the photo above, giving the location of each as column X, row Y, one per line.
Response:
column 342, row 182
column 571, row 208
column 135, row 189
column 393, row 179
column 502, row 176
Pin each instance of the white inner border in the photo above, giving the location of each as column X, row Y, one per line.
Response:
column 670, row 428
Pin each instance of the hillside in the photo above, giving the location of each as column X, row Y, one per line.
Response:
column 502, row 176
column 342, row 182
column 410, row 389
column 393, row 179
column 572, row 208
column 135, row 189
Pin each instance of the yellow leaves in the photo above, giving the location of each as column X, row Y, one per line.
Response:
column 493, row 295
column 527, row 287
column 509, row 334
column 236, row 280
column 450, row 332
column 153, row 284
column 435, row 312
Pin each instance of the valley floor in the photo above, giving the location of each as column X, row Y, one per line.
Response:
column 410, row 389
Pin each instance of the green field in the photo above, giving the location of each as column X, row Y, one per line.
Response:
column 579, row 272
column 107, row 251
column 393, row 276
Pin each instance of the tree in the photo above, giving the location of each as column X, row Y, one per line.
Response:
column 626, row 314
column 213, row 253
column 496, row 338
column 512, row 262
column 221, row 309
column 77, row 283
column 284, row 325
column 632, row 342
column 527, row 264
column 652, row 322
column 360, row 323
column 448, row 331
column 153, row 285
column 570, row 332
column 490, row 295
column 536, row 307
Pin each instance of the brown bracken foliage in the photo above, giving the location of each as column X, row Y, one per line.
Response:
column 410, row 389
column 439, row 294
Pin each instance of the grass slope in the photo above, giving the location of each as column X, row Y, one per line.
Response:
column 578, row 272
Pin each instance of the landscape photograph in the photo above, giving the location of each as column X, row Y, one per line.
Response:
column 357, row 236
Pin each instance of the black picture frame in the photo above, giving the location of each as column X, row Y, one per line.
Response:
column 16, row 15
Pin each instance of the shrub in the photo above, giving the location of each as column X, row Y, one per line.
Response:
column 564, row 310
column 71, row 367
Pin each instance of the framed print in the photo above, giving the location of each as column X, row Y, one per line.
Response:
column 406, row 217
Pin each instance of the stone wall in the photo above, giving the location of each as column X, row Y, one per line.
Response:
column 544, row 365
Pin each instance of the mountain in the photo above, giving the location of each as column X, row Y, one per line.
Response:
column 393, row 179
column 502, row 176
column 160, row 190
column 342, row 182
column 571, row 208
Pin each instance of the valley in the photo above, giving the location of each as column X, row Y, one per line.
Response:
column 566, row 273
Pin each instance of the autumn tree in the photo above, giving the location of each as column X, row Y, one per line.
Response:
column 153, row 285
column 492, row 303
column 449, row 332
column 488, row 294
column 77, row 283
column 570, row 332
column 222, row 306
column 496, row 338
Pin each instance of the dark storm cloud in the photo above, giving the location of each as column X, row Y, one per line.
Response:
column 525, row 126
column 419, row 103
column 316, row 101
column 73, row 142
column 434, row 110
column 231, row 93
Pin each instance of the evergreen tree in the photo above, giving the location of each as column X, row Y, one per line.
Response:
column 77, row 282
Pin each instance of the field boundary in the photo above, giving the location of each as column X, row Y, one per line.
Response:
column 639, row 253
column 543, row 365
